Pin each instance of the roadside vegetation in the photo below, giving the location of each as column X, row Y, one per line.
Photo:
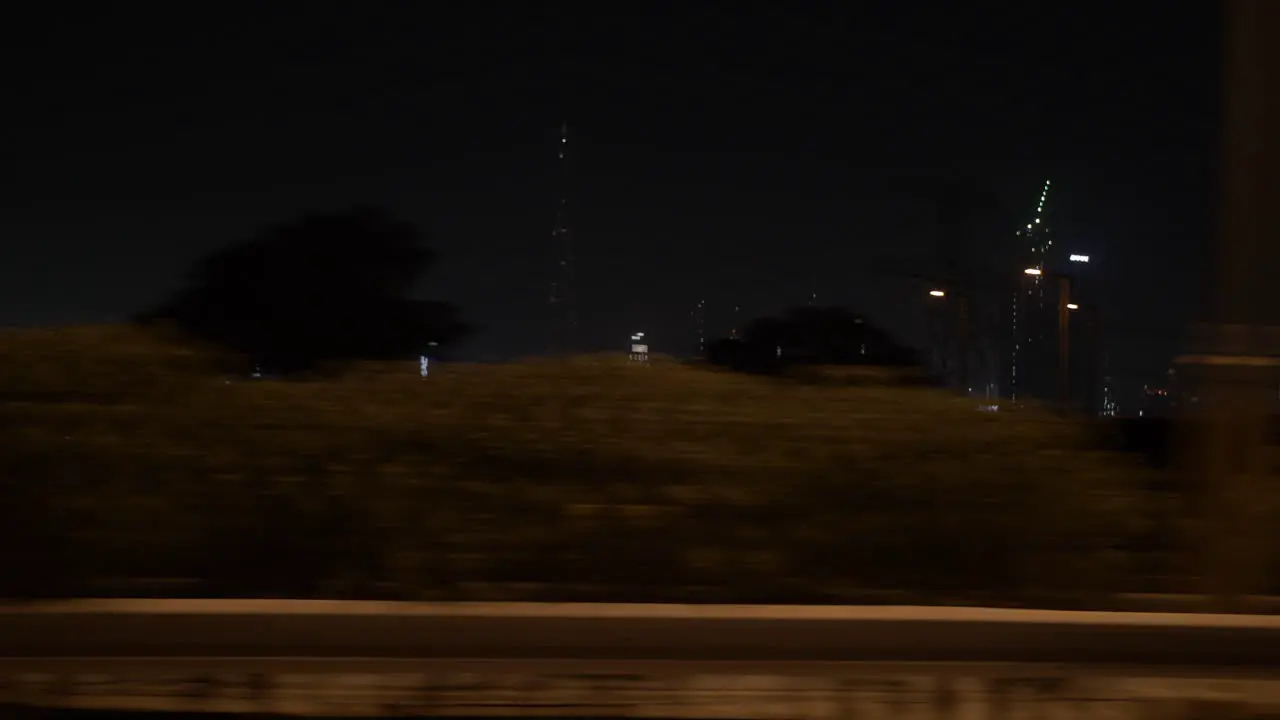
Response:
column 130, row 466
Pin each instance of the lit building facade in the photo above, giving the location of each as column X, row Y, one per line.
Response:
column 1091, row 386
column 639, row 348
column 1160, row 399
column 1029, row 368
column 1109, row 407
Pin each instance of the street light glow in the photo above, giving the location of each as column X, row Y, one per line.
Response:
column 937, row 293
column 1033, row 271
column 1072, row 306
column 1080, row 258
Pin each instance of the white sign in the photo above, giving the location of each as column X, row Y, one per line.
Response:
column 1080, row 258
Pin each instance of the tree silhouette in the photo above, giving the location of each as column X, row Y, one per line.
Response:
column 329, row 288
column 809, row 336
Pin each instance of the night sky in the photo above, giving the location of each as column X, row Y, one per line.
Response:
column 744, row 154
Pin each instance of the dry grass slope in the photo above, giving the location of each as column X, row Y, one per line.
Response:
column 589, row 478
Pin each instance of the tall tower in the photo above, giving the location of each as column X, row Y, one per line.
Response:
column 563, row 318
column 1030, row 355
column 698, row 323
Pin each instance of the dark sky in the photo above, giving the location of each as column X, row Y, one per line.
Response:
column 737, row 153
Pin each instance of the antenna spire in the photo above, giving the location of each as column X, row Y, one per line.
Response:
column 560, row 301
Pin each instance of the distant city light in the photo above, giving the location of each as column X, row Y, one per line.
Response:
column 1080, row 258
column 937, row 293
column 1072, row 306
column 639, row 348
column 1033, row 271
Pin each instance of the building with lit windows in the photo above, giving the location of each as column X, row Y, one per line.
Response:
column 639, row 350
column 1030, row 343
column 1161, row 398
column 1109, row 406
column 1091, row 385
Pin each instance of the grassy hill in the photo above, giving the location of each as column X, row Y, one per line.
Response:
column 129, row 458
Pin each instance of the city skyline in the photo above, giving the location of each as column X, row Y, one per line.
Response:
column 747, row 159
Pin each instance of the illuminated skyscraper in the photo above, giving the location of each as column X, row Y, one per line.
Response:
column 1109, row 407
column 1030, row 366
column 698, row 321
column 563, row 318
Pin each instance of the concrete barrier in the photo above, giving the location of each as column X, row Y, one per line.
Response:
column 375, row 659
column 176, row 628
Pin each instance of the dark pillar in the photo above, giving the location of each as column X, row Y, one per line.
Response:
column 1064, row 344
column 1233, row 356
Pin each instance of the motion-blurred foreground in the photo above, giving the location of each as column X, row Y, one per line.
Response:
column 131, row 467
